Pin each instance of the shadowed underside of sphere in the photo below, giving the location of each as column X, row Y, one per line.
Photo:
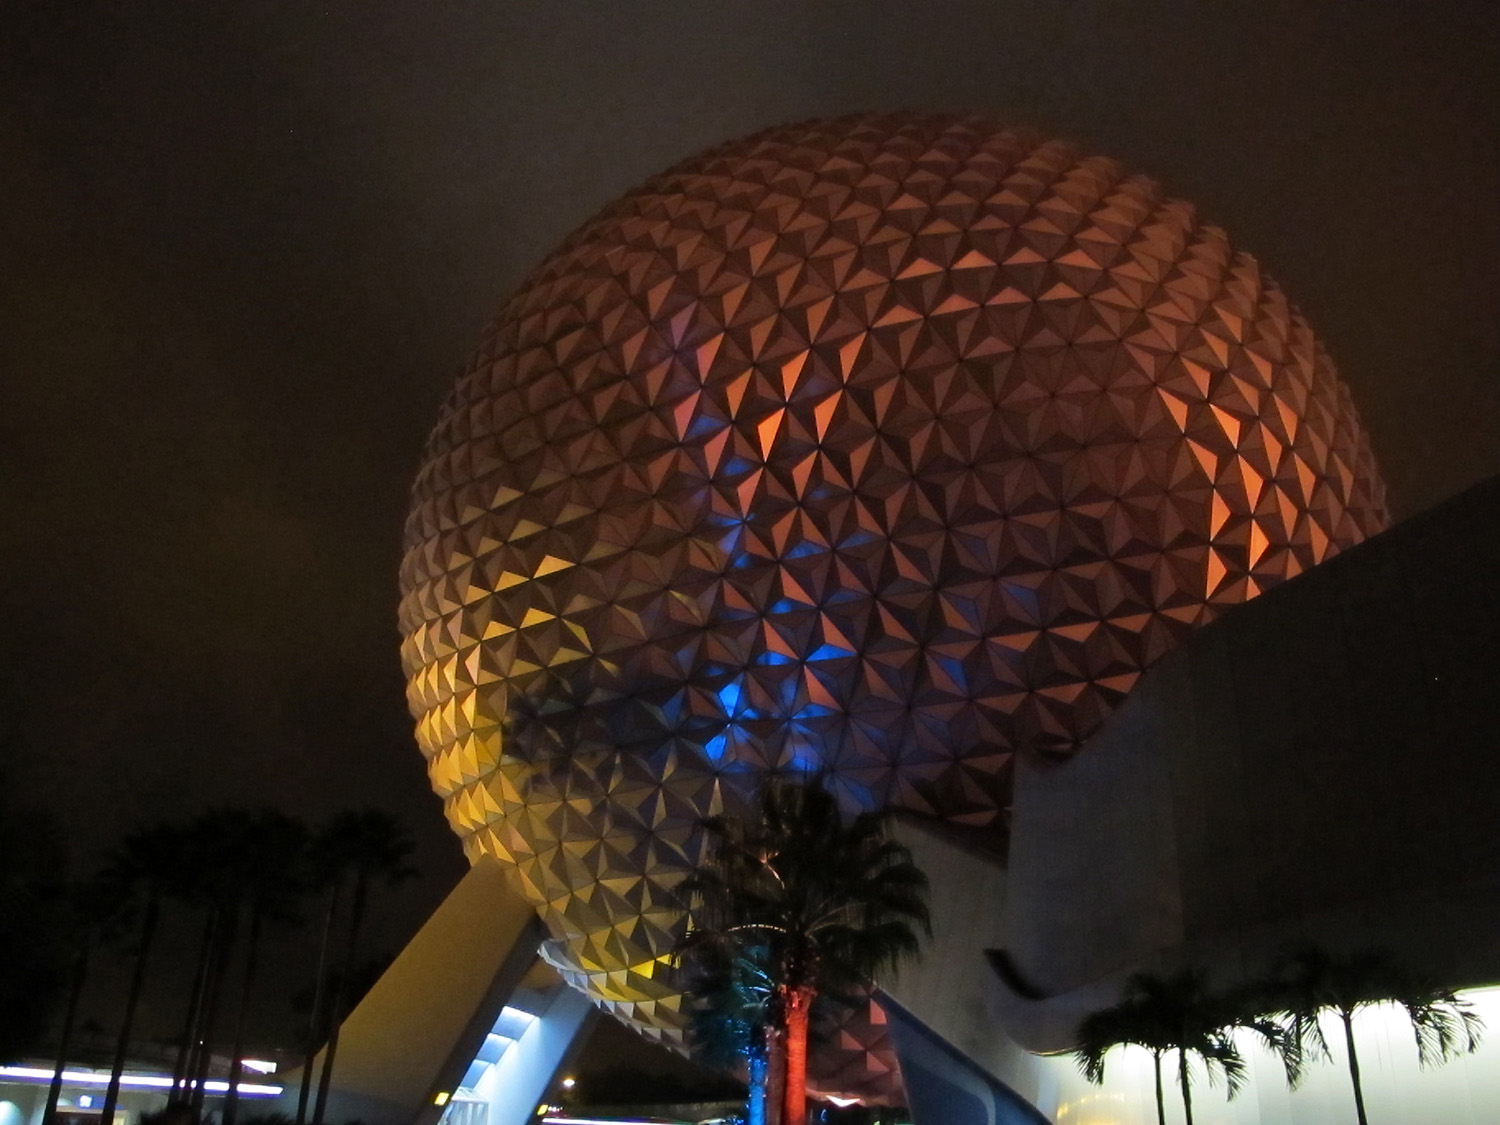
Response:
column 888, row 446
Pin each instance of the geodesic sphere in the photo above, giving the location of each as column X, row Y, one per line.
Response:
column 889, row 446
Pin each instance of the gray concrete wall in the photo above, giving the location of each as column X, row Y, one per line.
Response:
column 951, row 989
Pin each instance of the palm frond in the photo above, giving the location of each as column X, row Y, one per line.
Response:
column 830, row 902
column 1445, row 1026
column 1312, row 980
column 1220, row 1056
column 1178, row 1012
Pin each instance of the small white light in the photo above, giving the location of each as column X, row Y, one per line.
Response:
column 568, row 1083
column 85, row 1101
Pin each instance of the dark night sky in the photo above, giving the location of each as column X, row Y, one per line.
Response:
column 247, row 246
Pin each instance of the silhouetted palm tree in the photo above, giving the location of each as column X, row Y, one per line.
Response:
column 1179, row 1013
column 1313, row 981
column 218, row 844
column 326, row 876
column 82, row 924
column 77, row 975
column 364, row 846
column 185, row 1066
column 150, row 864
column 834, row 904
column 731, row 1011
column 272, row 864
column 1130, row 1023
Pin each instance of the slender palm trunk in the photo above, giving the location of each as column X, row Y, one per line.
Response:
column 187, row 1049
column 759, row 1061
column 137, row 978
column 198, row 1046
column 755, row 1106
column 1187, row 1088
column 317, row 1018
column 341, row 995
column 65, row 1044
column 775, row 1075
column 223, row 947
column 798, row 1001
column 247, row 987
column 1161, row 1105
column 1359, row 1094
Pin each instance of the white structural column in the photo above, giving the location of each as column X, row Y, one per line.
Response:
column 415, row 1033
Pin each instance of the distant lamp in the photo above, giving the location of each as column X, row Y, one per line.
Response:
column 568, row 1083
column 441, row 1098
column 85, row 1101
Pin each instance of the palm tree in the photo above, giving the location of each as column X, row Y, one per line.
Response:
column 1179, row 1013
column 81, row 928
column 833, row 903
column 1130, row 1023
column 219, row 842
column 241, row 867
column 1312, row 981
column 365, row 845
column 731, row 1012
column 149, row 865
column 188, row 1041
column 77, row 975
column 326, row 875
column 272, row 862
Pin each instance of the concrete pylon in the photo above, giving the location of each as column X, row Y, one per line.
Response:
column 443, row 1004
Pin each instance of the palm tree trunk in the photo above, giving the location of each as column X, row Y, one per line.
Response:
column 192, row 1077
column 798, row 1001
column 223, row 947
column 247, row 987
column 137, row 978
column 187, row 1049
column 65, row 1044
column 341, row 995
column 1187, row 1090
column 317, row 1018
column 1161, row 1105
column 755, row 1107
column 775, row 1075
column 1359, row 1094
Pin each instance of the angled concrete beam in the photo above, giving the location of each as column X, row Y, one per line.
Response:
column 417, row 1029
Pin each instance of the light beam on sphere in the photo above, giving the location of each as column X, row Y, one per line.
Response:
column 888, row 446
